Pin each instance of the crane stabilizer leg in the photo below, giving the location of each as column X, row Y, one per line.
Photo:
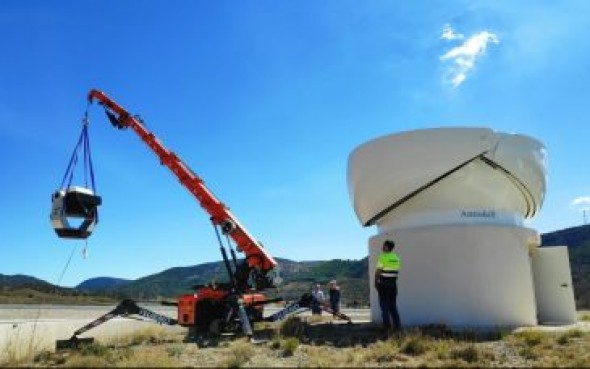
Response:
column 245, row 322
column 305, row 302
column 125, row 308
column 339, row 315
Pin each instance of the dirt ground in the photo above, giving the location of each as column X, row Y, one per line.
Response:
column 312, row 341
column 321, row 342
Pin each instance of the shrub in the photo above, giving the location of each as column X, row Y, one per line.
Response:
column 381, row 352
column 289, row 346
column 275, row 344
column 442, row 349
column 568, row 335
column 42, row 357
column 469, row 354
column 436, row 331
column 414, row 346
column 528, row 353
column 239, row 354
column 174, row 351
column 94, row 349
column 503, row 333
column 294, row 326
column 531, row 338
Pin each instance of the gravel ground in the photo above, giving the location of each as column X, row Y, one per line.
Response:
column 360, row 344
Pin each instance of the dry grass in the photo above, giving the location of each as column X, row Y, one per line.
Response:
column 147, row 335
column 296, row 343
column 238, row 354
column 155, row 357
column 567, row 348
column 17, row 354
column 381, row 352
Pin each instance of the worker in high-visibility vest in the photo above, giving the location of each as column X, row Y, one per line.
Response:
column 388, row 266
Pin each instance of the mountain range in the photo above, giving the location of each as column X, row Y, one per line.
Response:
column 298, row 277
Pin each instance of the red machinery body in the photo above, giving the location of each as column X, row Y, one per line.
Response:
column 187, row 304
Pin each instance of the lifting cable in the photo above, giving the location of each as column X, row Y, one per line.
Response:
column 84, row 145
column 38, row 314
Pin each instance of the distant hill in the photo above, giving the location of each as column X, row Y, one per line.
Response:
column 21, row 280
column 577, row 239
column 23, row 289
column 298, row 277
column 99, row 283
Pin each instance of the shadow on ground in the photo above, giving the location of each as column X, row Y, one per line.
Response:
column 351, row 334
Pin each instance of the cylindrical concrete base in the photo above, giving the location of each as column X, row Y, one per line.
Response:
column 462, row 276
column 554, row 290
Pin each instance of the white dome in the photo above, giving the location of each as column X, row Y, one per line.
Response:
column 444, row 171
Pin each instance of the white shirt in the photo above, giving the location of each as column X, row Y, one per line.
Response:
column 318, row 294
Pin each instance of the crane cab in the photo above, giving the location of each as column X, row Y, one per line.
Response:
column 74, row 205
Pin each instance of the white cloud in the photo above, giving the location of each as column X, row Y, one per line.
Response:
column 448, row 33
column 582, row 203
column 462, row 58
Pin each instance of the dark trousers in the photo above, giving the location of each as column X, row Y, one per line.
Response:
column 335, row 306
column 387, row 302
column 315, row 307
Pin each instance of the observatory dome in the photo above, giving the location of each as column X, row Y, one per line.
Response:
column 447, row 175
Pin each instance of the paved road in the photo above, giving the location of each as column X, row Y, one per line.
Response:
column 32, row 328
column 31, row 313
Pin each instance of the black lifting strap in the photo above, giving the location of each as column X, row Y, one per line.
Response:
column 84, row 145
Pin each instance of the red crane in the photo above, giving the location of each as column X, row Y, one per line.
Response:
column 257, row 258
column 212, row 308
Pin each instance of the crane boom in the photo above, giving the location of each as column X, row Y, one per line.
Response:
column 257, row 258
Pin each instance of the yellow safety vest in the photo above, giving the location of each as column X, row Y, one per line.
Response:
column 389, row 263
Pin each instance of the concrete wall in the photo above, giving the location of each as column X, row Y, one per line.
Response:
column 554, row 290
column 461, row 275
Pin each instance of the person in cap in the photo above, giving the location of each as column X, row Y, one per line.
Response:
column 386, row 273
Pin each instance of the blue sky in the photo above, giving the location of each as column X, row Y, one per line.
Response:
column 265, row 100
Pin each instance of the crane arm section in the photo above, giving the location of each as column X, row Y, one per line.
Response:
column 256, row 257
